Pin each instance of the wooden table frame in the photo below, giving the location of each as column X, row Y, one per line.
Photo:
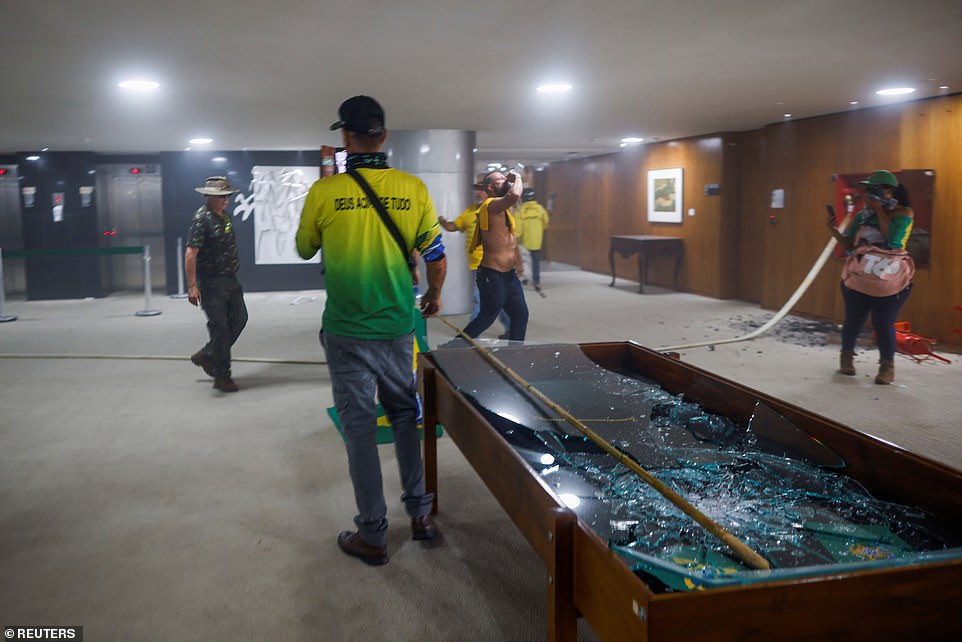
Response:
column 644, row 247
column 586, row 579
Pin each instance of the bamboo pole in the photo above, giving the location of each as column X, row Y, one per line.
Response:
column 741, row 550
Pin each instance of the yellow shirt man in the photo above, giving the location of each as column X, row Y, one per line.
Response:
column 532, row 222
column 467, row 222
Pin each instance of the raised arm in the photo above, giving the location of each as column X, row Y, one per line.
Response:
column 502, row 203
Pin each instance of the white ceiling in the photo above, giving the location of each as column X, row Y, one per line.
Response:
column 271, row 75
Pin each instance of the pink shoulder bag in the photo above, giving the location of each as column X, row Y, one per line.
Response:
column 877, row 272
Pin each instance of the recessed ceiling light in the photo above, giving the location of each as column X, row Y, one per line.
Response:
column 201, row 141
column 632, row 140
column 787, row 115
column 853, row 102
column 943, row 86
column 895, row 91
column 139, row 85
column 554, row 88
column 34, row 157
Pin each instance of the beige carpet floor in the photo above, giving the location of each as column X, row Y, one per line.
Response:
column 143, row 505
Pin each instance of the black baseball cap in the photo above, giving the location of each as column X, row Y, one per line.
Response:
column 360, row 115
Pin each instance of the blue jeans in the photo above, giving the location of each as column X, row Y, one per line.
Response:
column 500, row 291
column 222, row 298
column 361, row 368
column 476, row 300
column 535, row 266
column 884, row 311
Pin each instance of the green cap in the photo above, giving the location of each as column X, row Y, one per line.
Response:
column 881, row 177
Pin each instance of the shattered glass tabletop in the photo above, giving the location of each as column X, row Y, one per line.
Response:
column 770, row 484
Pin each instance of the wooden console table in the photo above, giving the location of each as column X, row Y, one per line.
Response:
column 645, row 246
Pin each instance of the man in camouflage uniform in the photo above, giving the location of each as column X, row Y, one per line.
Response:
column 211, row 266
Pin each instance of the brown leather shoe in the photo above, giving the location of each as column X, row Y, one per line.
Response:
column 198, row 359
column 225, row 384
column 846, row 362
column 424, row 528
column 355, row 546
column 886, row 372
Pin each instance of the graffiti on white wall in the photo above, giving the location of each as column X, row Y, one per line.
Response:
column 276, row 197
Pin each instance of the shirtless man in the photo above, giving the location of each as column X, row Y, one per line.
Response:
column 498, row 276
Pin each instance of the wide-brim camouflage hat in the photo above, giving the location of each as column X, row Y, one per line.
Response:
column 216, row 186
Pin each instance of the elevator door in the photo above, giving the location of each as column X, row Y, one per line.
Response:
column 130, row 213
column 11, row 230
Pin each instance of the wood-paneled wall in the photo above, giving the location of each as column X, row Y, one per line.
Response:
column 602, row 196
column 733, row 249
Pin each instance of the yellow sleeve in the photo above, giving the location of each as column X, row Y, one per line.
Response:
column 482, row 225
column 466, row 218
column 308, row 237
column 483, row 215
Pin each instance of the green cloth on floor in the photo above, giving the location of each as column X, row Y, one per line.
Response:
column 384, row 434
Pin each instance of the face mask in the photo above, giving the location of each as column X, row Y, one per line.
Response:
column 878, row 194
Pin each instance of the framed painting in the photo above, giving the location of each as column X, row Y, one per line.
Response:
column 665, row 191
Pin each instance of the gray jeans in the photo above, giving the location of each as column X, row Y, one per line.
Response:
column 361, row 369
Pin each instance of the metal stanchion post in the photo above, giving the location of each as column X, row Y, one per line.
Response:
column 147, row 312
column 180, row 271
column 4, row 318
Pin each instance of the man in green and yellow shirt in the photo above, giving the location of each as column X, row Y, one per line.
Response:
column 367, row 328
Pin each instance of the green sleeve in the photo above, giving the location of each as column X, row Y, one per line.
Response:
column 853, row 226
column 899, row 230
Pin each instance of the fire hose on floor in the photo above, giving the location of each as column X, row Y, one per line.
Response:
column 785, row 309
